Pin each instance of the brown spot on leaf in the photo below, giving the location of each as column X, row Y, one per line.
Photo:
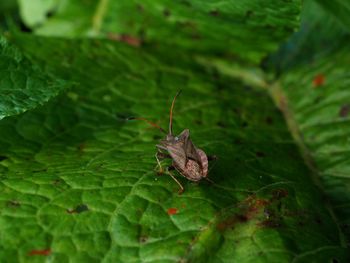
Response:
column 248, row 209
column 227, row 223
column 13, row 203
column 130, row 40
column 143, row 239
column 79, row 209
column 41, row 252
column 344, row 111
column 81, row 147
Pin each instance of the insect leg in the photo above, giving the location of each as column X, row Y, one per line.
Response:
column 160, row 155
column 161, row 171
column 181, row 187
column 209, row 180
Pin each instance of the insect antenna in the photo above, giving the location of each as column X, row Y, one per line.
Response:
column 171, row 113
column 149, row 122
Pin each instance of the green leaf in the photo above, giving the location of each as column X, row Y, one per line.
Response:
column 320, row 34
column 23, row 85
column 35, row 12
column 78, row 181
column 8, row 8
column 243, row 32
column 339, row 9
column 315, row 98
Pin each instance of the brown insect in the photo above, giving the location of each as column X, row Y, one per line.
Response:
column 190, row 161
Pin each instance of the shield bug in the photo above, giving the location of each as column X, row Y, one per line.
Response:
column 190, row 161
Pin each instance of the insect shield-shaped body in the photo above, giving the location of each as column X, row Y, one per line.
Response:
column 190, row 161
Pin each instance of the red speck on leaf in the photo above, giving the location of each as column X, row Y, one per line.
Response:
column 318, row 80
column 130, row 40
column 43, row 252
column 172, row 211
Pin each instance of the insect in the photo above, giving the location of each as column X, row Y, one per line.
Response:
column 190, row 161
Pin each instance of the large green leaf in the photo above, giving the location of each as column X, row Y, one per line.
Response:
column 320, row 34
column 315, row 98
column 23, row 85
column 78, row 182
column 243, row 31
column 339, row 9
column 35, row 12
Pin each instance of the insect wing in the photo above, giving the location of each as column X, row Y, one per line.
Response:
column 190, row 149
column 178, row 154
